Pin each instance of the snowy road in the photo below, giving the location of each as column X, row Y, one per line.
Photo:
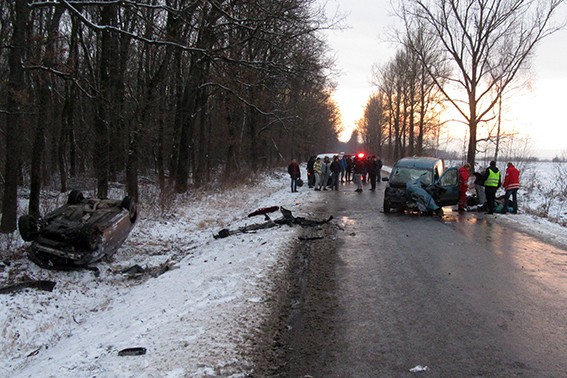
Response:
column 464, row 295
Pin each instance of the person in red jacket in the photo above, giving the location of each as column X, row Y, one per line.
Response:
column 294, row 174
column 511, row 185
column 463, row 185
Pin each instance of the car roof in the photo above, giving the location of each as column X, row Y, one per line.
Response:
column 423, row 162
column 330, row 155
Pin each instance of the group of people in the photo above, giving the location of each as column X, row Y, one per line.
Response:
column 324, row 174
column 486, row 183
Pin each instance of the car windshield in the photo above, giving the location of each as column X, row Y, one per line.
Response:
column 402, row 175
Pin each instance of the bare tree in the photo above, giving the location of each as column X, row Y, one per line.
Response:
column 185, row 88
column 14, row 106
column 44, row 96
column 486, row 42
column 410, row 103
column 373, row 123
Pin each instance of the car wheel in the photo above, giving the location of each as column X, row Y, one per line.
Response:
column 129, row 204
column 75, row 197
column 387, row 206
column 28, row 227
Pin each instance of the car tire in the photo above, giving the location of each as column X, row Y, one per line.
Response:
column 75, row 197
column 387, row 206
column 129, row 203
column 28, row 227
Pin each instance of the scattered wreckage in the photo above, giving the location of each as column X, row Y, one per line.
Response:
column 79, row 233
column 44, row 285
column 286, row 219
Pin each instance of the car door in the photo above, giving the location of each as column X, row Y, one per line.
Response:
column 449, row 181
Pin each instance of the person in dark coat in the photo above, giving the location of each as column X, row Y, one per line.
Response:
column 372, row 172
column 359, row 170
column 479, row 188
column 349, row 166
column 335, row 173
column 294, row 173
column 343, row 163
column 379, row 166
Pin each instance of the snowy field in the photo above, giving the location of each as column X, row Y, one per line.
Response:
column 204, row 315
column 543, row 191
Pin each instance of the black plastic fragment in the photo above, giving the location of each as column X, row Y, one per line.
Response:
column 138, row 351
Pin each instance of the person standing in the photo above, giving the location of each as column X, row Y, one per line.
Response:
column 479, row 189
column 511, row 185
column 372, row 172
column 379, row 166
column 358, row 171
column 349, row 169
column 343, row 163
column 335, row 169
column 463, row 186
column 294, row 173
column 310, row 172
column 317, row 170
column 325, row 172
column 492, row 182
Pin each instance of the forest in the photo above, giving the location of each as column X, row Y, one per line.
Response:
column 187, row 91
column 194, row 92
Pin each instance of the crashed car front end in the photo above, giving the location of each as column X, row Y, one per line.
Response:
column 396, row 196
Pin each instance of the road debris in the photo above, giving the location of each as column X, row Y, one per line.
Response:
column 419, row 368
column 286, row 219
column 39, row 285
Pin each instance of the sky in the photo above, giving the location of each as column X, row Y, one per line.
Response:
column 536, row 112
column 201, row 317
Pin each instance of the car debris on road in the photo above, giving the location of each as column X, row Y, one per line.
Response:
column 286, row 219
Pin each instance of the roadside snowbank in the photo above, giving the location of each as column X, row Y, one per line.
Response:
column 202, row 317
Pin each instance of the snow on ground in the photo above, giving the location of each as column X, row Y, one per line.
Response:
column 202, row 317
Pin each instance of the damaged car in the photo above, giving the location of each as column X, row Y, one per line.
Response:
column 421, row 184
column 81, row 232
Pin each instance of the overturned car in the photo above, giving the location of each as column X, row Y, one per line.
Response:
column 79, row 233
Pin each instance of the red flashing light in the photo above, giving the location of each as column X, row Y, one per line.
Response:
column 360, row 155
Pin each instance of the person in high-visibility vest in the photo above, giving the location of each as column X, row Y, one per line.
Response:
column 492, row 182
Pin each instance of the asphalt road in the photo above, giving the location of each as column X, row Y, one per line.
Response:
column 381, row 294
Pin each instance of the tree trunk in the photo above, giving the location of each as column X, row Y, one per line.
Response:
column 159, row 155
column 498, row 131
column 44, row 85
column 66, row 123
column 193, row 104
column 231, row 166
column 254, row 153
column 14, row 104
column 473, row 125
column 101, row 124
column 182, row 164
